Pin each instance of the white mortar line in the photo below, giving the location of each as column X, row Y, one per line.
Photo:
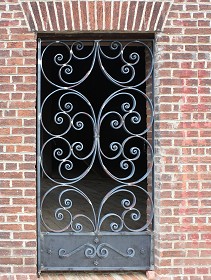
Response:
column 126, row 20
column 159, row 15
column 64, row 14
column 87, row 14
column 26, row 20
column 79, row 15
column 48, row 16
column 112, row 15
column 120, row 11
column 103, row 14
column 95, row 15
column 33, row 17
column 71, row 11
column 56, row 15
column 150, row 16
column 41, row 17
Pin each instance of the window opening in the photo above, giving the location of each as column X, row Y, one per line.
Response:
column 95, row 154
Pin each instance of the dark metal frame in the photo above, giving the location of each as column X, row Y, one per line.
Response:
column 102, row 247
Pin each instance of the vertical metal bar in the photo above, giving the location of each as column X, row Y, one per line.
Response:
column 152, row 253
column 152, row 256
column 153, row 128
column 38, row 155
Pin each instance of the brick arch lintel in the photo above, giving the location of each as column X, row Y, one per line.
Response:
column 70, row 15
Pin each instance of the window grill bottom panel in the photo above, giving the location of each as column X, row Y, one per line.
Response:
column 81, row 252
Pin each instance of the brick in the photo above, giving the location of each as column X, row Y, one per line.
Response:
column 162, row 17
column 84, row 20
column 154, row 16
column 99, row 9
column 91, row 11
column 25, row 270
column 5, row 270
column 52, row 14
column 25, row 235
column 26, row 70
column 13, row 227
column 23, row 201
column 68, row 15
column 123, row 14
column 11, row 261
column 147, row 16
column 60, row 15
column 76, row 15
column 35, row 10
column 116, row 8
column 29, row 17
column 44, row 17
column 10, row 139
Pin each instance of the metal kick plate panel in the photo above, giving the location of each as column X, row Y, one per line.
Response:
column 91, row 252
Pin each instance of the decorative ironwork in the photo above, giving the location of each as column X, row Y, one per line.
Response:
column 101, row 251
column 74, row 122
column 65, row 205
column 128, row 206
column 68, row 119
column 74, row 51
column 129, row 111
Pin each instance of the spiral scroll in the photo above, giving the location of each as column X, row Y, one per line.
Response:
column 65, row 205
column 101, row 250
column 129, row 64
column 126, row 152
column 64, row 63
column 129, row 206
column 65, row 120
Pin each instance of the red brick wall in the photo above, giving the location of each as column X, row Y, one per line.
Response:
column 182, row 124
column 183, row 100
column 17, row 148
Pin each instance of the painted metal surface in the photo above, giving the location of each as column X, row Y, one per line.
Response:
column 105, row 252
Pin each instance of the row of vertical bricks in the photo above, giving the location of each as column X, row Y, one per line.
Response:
column 96, row 15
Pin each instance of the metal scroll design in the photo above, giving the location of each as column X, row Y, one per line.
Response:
column 117, row 222
column 119, row 120
column 68, row 152
column 75, row 53
column 129, row 63
column 65, row 206
column 101, row 250
column 62, row 63
column 67, row 120
column 130, row 209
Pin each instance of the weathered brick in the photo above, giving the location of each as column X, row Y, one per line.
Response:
column 35, row 10
column 60, row 15
column 68, row 15
column 52, row 14
column 75, row 10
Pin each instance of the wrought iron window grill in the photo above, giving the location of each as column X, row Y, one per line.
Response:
column 72, row 127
